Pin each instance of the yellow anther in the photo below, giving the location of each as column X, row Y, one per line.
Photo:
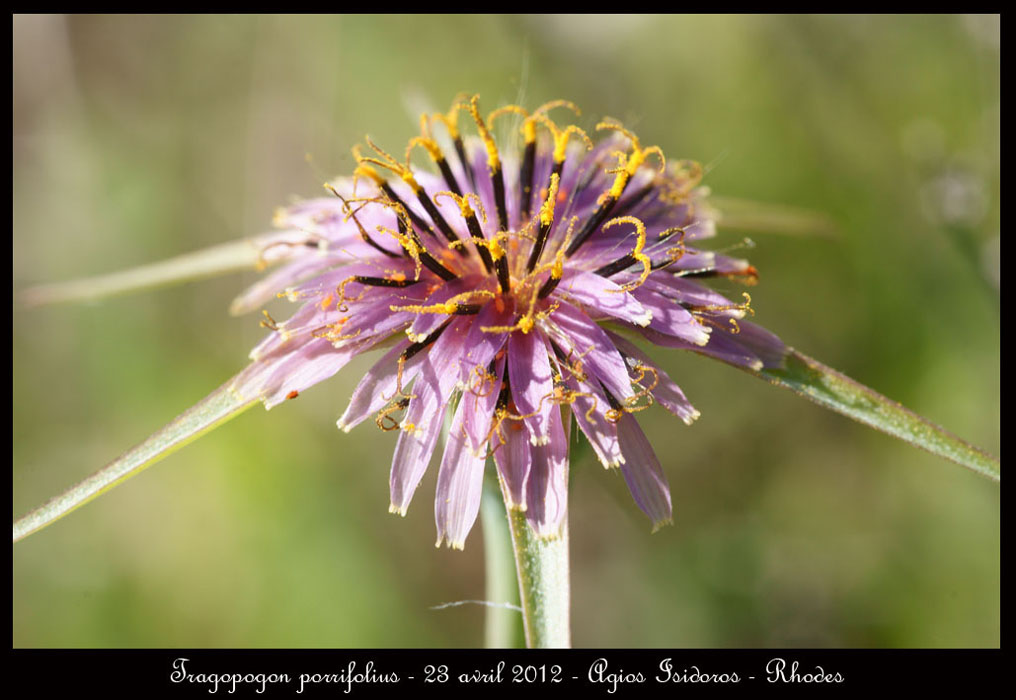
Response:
column 341, row 292
column 388, row 161
column 447, row 307
column 528, row 125
column 631, row 404
column 486, row 384
column 463, row 203
column 547, row 210
column 450, row 119
column 628, row 165
column 744, row 308
column 554, row 104
column 332, row 334
column 493, row 161
column 561, row 136
column 433, row 150
column 637, row 254
column 609, row 124
column 364, row 170
column 268, row 322
column 507, row 109
column 425, row 140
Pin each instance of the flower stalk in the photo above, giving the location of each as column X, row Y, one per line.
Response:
column 502, row 627
column 543, row 572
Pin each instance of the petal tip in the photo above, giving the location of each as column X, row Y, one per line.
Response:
column 660, row 524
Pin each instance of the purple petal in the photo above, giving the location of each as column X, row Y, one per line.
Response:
column 643, row 473
column 547, row 488
column 590, row 414
column 378, row 386
column 482, row 346
column 424, row 416
column 671, row 318
column 514, row 461
column 480, row 399
column 666, row 392
column 769, row 348
column 720, row 346
column 459, row 483
column 426, row 323
column 285, row 377
column 574, row 331
column 530, row 378
column 601, row 297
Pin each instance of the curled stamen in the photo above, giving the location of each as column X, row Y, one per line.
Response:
column 475, row 232
column 627, row 166
column 385, row 414
column 487, row 382
column 557, row 267
column 268, row 322
column 546, row 222
column 493, row 160
column 450, row 119
column 631, row 404
column 493, row 163
column 561, row 136
column 350, row 214
column 452, row 306
column 341, row 304
column 744, row 308
column 631, row 258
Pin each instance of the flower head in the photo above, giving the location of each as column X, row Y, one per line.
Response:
column 502, row 286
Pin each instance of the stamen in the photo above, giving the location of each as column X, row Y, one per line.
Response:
column 546, row 222
column 458, row 304
column 350, row 214
column 487, row 381
column 406, row 173
column 340, row 304
column 414, row 349
column 471, row 223
column 493, row 162
column 364, row 169
column 268, row 322
column 744, row 308
column 672, row 254
column 748, row 276
column 526, row 177
column 631, row 404
column 383, row 281
column 627, row 166
column 451, row 122
column 629, row 259
column 434, row 151
column 616, row 412
column 557, row 267
column 411, row 243
column 385, row 414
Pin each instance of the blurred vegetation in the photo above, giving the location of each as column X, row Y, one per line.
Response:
column 138, row 138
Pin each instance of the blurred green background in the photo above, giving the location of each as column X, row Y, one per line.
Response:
column 139, row 138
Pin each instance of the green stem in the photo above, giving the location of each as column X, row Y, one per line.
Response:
column 502, row 629
column 544, row 588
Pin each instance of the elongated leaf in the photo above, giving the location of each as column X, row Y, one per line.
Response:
column 212, row 411
column 827, row 387
column 228, row 257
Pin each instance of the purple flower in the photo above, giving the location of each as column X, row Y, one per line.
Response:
column 502, row 289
